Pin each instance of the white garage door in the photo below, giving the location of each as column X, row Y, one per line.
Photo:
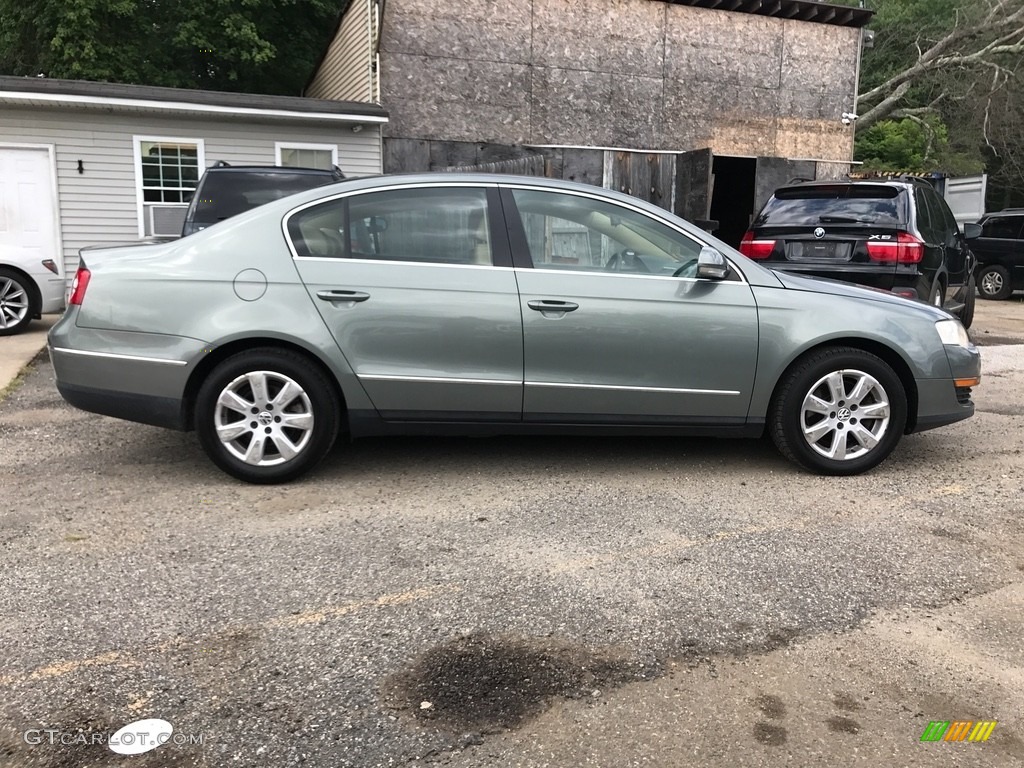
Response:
column 27, row 206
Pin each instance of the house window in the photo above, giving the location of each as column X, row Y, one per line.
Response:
column 306, row 155
column 167, row 171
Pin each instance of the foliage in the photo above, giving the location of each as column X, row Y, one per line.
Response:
column 941, row 90
column 263, row 46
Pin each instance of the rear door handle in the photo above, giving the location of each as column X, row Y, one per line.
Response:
column 338, row 295
column 551, row 305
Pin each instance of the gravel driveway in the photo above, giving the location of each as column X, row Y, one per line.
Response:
column 510, row 602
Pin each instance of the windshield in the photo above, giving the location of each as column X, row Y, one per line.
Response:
column 839, row 204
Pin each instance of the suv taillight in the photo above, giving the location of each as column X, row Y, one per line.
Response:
column 905, row 249
column 756, row 249
column 78, row 286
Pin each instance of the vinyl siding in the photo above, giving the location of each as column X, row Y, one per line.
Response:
column 345, row 72
column 100, row 205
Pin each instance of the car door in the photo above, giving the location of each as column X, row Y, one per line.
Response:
column 420, row 296
column 1000, row 242
column 958, row 254
column 615, row 328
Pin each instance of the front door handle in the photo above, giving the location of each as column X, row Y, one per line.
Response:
column 341, row 296
column 550, row 305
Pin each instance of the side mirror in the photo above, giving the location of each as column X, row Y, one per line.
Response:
column 972, row 231
column 711, row 265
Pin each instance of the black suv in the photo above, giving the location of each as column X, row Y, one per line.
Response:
column 227, row 190
column 1000, row 252
column 894, row 235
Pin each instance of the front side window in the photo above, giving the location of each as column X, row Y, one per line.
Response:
column 1005, row 227
column 572, row 232
column 439, row 225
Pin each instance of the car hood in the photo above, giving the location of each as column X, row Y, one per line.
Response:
column 831, row 287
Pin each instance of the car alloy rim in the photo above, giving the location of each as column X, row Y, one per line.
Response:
column 13, row 303
column 992, row 283
column 264, row 418
column 845, row 415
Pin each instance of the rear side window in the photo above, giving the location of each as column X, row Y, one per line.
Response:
column 834, row 204
column 440, row 225
column 1005, row 227
column 223, row 195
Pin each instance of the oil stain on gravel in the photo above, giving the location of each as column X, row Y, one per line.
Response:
column 486, row 683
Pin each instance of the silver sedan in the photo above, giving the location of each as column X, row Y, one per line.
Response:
column 494, row 304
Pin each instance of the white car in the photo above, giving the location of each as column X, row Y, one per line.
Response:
column 29, row 288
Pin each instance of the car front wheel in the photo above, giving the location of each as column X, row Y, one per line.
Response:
column 266, row 415
column 839, row 411
column 994, row 282
column 16, row 309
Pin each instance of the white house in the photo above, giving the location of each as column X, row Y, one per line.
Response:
column 85, row 163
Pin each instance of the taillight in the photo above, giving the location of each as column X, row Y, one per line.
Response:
column 78, row 285
column 905, row 249
column 756, row 249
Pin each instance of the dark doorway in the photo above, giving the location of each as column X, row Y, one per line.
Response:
column 732, row 202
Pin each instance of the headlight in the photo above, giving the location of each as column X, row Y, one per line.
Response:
column 952, row 332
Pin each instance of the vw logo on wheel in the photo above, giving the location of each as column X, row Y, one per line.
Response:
column 819, row 232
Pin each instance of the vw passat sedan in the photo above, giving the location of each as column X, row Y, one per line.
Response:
column 494, row 304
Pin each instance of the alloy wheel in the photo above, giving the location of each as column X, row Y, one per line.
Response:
column 845, row 415
column 13, row 303
column 991, row 283
column 264, row 418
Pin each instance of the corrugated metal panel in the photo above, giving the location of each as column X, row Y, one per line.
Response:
column 345, row 73
column 100, row 206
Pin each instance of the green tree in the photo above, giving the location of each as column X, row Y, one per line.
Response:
column 261, row 46
column 941, row 90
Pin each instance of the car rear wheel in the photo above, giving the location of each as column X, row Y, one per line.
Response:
column 966, row 314
column 16, row 310
column 838, row 411
column 994, row 282
column 266, row 416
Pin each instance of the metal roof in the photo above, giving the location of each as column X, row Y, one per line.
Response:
column 42, row 91
column 802, row 10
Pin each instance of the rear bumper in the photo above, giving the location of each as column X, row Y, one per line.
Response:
column 135, row 376
column 132, row 406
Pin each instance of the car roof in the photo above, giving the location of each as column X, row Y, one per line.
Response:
column 898, row 183
column 268, row 169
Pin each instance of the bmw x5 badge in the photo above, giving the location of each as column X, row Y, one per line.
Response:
column 819, row 232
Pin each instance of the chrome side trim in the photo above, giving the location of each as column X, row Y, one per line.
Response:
column 439, row 379
column 600, row 273
column 391, row 262
column 618, row 388
column 111, row 355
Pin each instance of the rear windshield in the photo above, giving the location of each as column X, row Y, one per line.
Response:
column 840, row 204
column 223, row 195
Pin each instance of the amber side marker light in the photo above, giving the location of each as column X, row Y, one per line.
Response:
column 968, row 382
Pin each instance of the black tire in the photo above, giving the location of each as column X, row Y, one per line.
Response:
column 935, row 297
column 786, row 422
column 18, row 303
column 298, row 412
column 966, row 314
column 994, row 282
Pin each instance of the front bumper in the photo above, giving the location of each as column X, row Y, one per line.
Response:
column 942, row 401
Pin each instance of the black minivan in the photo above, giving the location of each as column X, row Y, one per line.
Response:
column 895, row 235
column 228, row 190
